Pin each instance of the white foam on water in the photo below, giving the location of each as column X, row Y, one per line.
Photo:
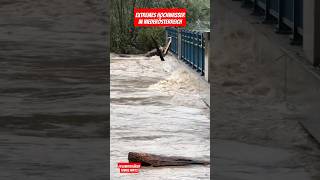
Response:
column 156, row 108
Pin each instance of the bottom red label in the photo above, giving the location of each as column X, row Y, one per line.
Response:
column 126, row 167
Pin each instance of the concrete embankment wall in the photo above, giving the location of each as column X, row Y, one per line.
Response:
column 240, row 39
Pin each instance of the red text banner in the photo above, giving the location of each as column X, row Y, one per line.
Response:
column 164, row 17
column 129, row 168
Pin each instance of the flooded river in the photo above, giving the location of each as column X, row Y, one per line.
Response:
column 53, row 88
column 156, row 108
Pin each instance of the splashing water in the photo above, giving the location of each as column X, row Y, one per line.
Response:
column 156, row 108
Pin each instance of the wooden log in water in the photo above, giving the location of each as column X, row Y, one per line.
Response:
column 147, row 159
column 159, row 52
column 153, row 52
column 156, row 52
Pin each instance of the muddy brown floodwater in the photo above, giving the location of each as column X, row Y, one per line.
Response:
column 256, row 130
column 53, row 89
column 156, row 108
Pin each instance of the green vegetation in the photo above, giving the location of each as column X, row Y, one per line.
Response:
column 127, row 39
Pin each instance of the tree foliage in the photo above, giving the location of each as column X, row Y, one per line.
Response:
column 125, row 38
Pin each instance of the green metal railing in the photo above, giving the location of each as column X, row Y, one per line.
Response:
column 288, row 14
column 192, row 47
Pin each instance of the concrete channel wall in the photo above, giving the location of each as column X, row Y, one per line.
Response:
column 311, row 35
column 236, row 34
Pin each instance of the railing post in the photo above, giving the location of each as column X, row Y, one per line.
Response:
column 281, row 28
column 207, row 55
column 196, row 50
column 267, row 16
column 179, row 44
column 295, row 38
column 182, row 44
column 167, row 36
column 188, row 47
column 255, row 10
column 194, row 59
